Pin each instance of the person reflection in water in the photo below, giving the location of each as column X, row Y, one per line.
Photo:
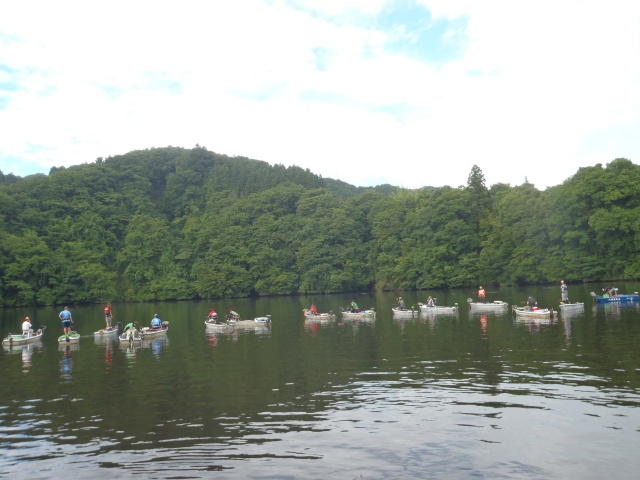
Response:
column 483, row 325
column 66, row 364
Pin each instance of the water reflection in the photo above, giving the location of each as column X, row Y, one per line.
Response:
column 484, row 321
column 26, row 351
column 66, row 363
column 108, row 343
column 433, row 397
column 314, row 325
column 157, row 345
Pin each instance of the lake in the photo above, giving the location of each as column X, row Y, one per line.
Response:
column 440, row 396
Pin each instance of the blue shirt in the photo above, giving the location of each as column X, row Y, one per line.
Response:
column 156, row 322
column 65, row 315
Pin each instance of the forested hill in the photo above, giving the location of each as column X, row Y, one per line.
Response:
column 173, row 223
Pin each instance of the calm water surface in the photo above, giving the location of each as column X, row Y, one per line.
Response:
column 466, row 396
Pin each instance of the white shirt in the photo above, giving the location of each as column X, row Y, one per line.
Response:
column 26, row 326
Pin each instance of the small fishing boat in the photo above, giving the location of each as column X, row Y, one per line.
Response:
column 108, row 332
column 309, row 315
column 129, row 336
column 148, row 332
column 360, row 314
column 258, row 322
column 438, row 309
column 611, row 296
column 535, row 312
column 21, row 339
column 73, row 337
column 405, row 312
column 571, row 307
column 494, row 306
column 214, row 324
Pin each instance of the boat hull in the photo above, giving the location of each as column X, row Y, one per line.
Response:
column 362, row 314
column 260, row 322
column 19, row 339
column 216, row 325
column 147, row 332
column 128, row 338
column 539, row 313
column 319, row 316
column 438, row 309
column 103, row 332
column 400, row 313
column 570, row 307
column 632, row 297
column 73, row 337
column 488, row 307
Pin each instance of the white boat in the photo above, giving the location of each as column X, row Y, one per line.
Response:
column 21, row 339
column 348, row 313
column 535, row 312
column 108, row 332
column 437, row 309
column 494, row 306
column 405, row 313
column 73, row 337
column 318, row 316
column 258, row 322
column 571, row 306
column 148, row 332
column 216, row 325
column 130, row 336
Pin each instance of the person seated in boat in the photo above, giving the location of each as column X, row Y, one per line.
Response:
column 481, row 294
column 401, row 304
column 156, row 323
column 532, row 303
column 107, row 316
column 354, row 307
column 431, row 302
column 26, row 327
column 233, row 315
column 313, row 309
column 213, row 316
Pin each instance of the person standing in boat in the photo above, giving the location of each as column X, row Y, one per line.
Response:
column 532, row 302
column 431, row 302
column 401, row 303
column 26, row 327
column 67, row 320
column 481, row 294
column 107, row 316
column 564, row 291
column 313, row 309
column 156, row 323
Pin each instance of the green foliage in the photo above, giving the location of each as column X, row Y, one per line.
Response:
column 171, row 224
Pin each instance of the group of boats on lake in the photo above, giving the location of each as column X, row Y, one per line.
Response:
column 530, row 312
column 132, row 334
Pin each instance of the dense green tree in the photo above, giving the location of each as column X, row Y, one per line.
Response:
column 173, row 223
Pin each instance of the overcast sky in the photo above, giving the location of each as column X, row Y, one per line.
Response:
column 410, row 93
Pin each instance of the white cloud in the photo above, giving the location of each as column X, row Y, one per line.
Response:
column 539, row 90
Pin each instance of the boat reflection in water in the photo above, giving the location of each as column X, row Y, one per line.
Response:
column 26, row 351
column 157, row 345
